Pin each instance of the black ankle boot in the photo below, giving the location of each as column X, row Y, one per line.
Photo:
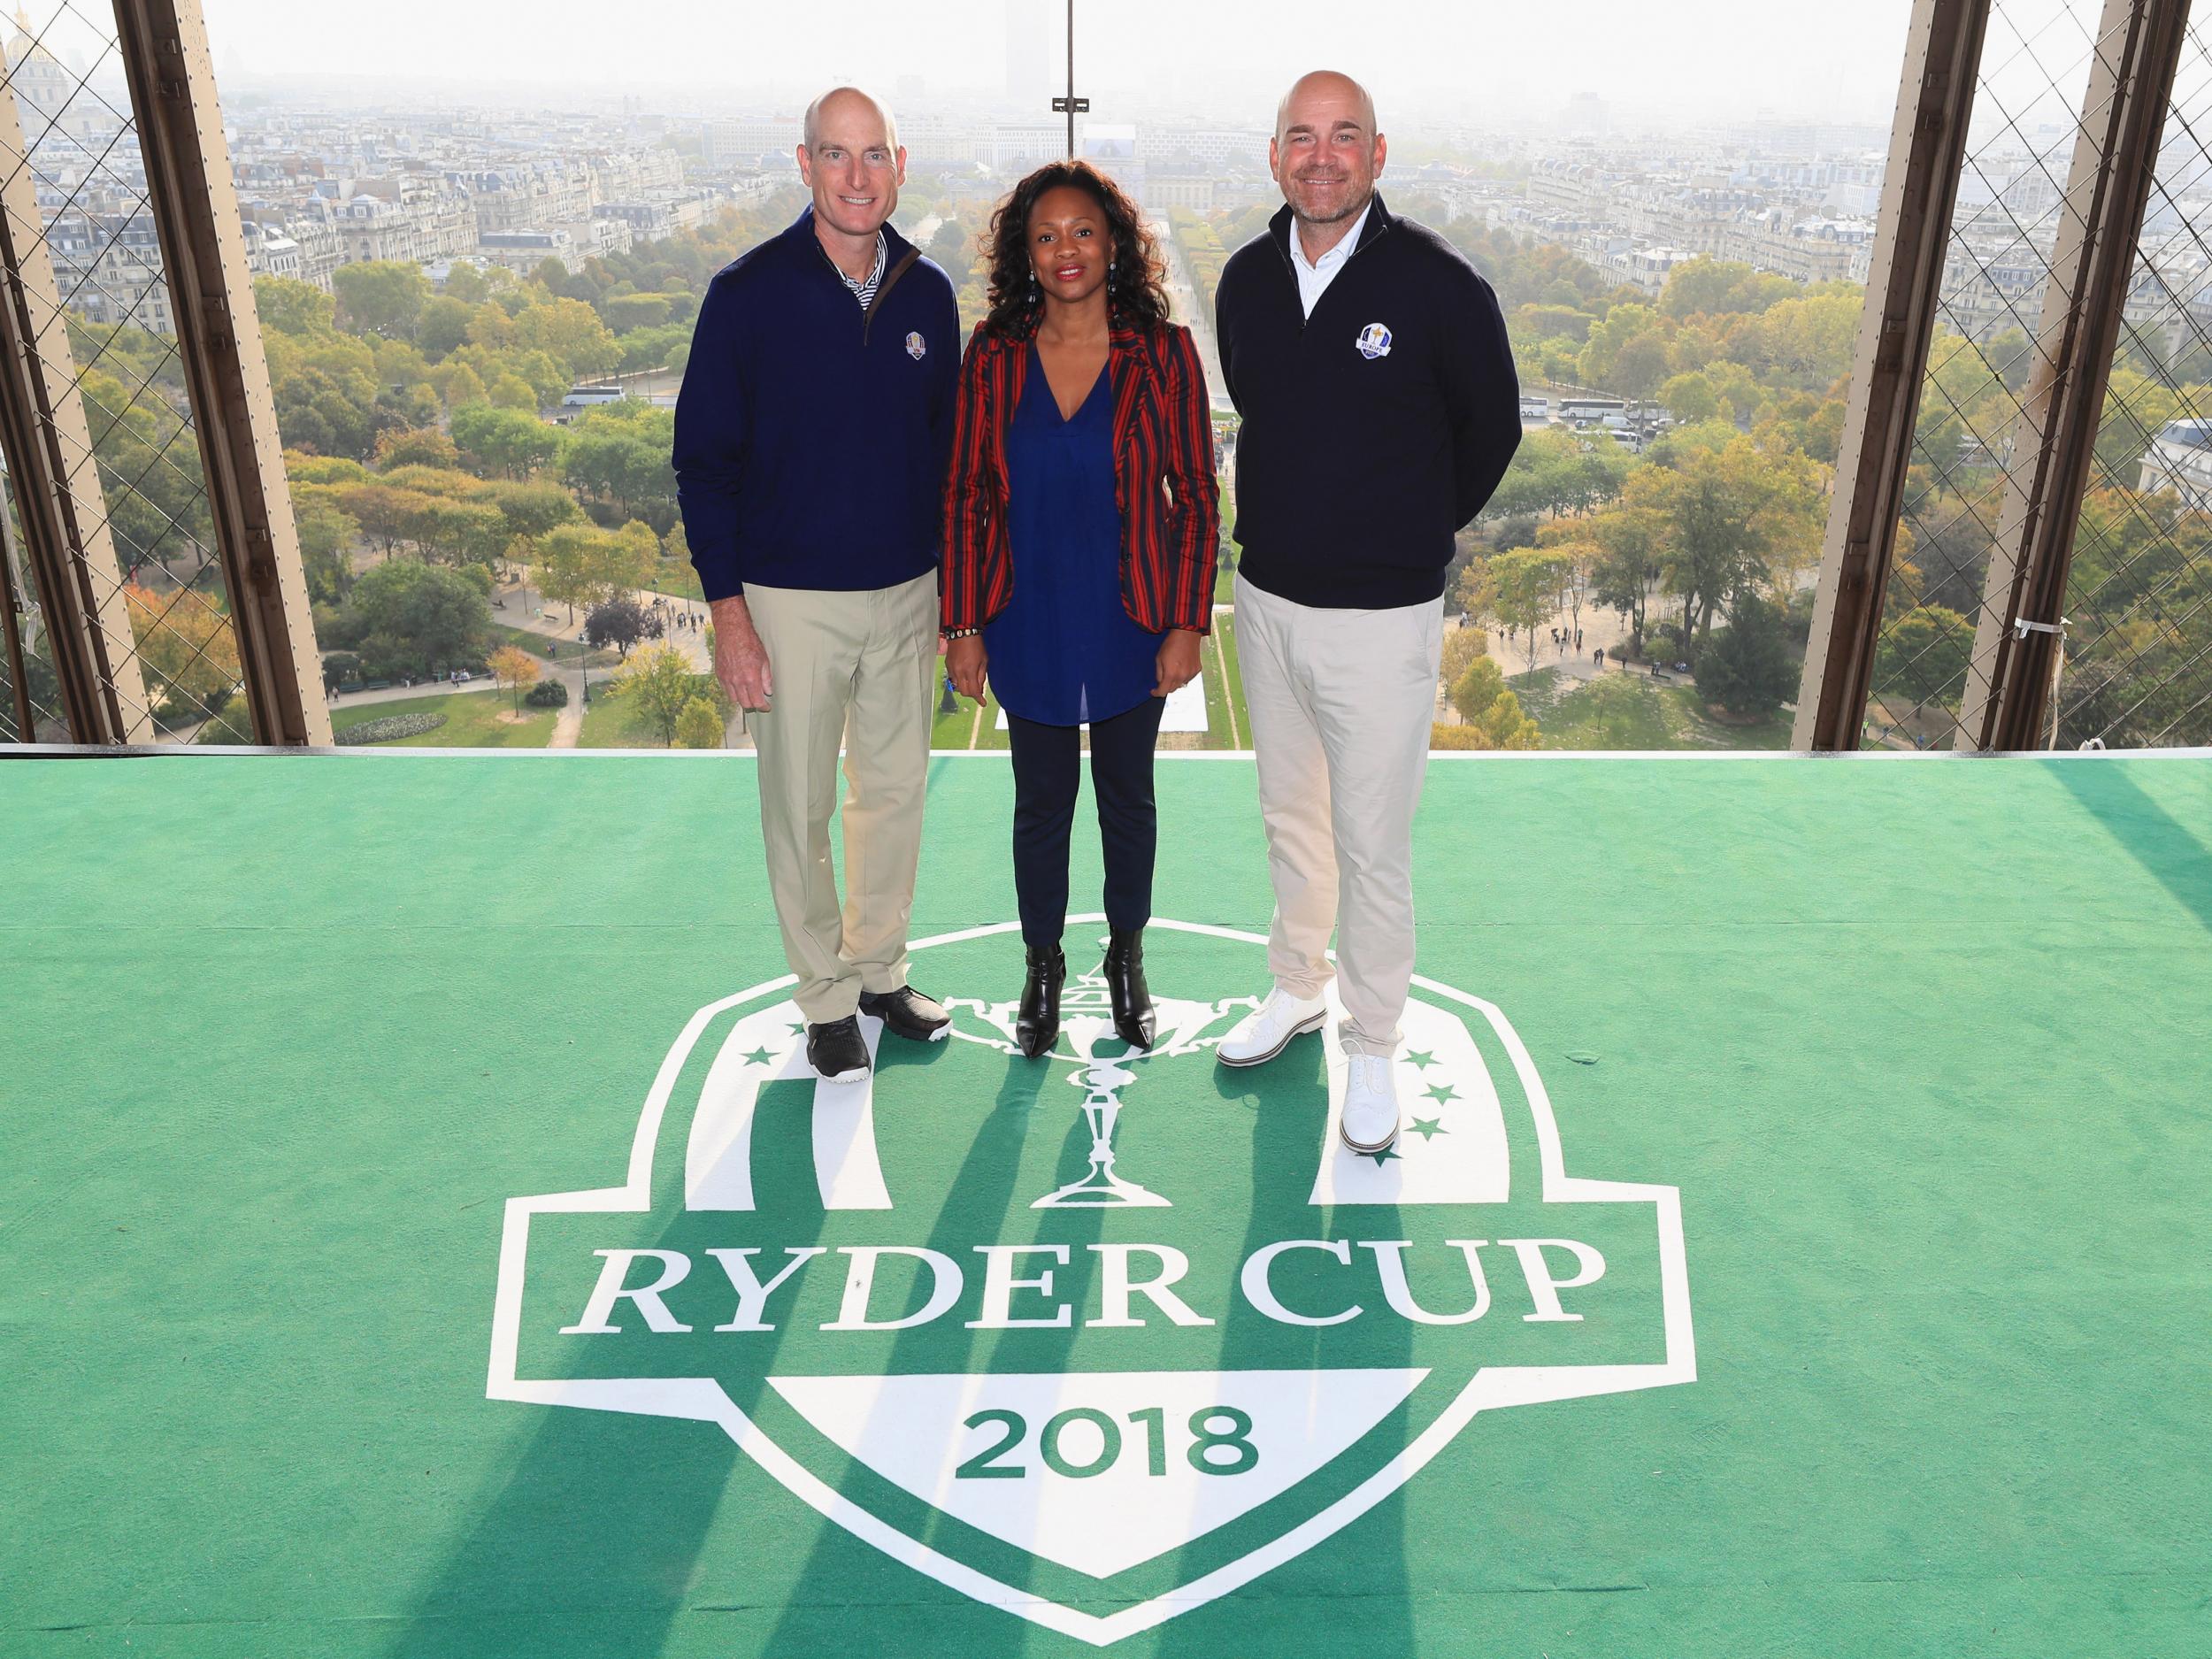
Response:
column 1037, row 1023
column 1125, row 983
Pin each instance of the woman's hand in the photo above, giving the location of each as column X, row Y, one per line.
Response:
column 1179, row 661
column 965, row 661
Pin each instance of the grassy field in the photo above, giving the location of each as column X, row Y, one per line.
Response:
column 1571, row 715
column 961, row 729
column 472, row 721
column 676, row 577
column 1227, row 727
column 1226, row 723
column 542, row 646
column 611, row 723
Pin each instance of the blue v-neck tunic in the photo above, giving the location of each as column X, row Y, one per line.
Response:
column 1065, row 651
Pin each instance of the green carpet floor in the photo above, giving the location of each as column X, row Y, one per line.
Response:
column 1920, row 1045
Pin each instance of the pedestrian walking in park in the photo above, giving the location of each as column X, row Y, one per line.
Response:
column 1082, row 523
column 1370, row 363
column 812, row 434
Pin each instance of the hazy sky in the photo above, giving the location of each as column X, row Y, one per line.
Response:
column 1678, row 62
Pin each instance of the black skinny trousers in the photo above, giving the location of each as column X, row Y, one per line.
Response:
column 1047, row 769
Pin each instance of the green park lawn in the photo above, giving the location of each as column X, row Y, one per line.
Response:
column 956, row 730
column 547, row 649
column 677, row 578
column 472, row 721
column 1227, row 724
column 611, row 723
column 1658, row 717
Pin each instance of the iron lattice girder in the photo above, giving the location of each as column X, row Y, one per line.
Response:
column 2016, row 644
column 165, row 51
column 1927, row 149
column 66, row 536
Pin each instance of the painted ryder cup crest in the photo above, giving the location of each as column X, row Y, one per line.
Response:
column 1373, row 341
column 915, row 346
column 1113, row 1329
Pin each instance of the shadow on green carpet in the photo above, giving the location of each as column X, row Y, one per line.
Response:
column 2181, row 863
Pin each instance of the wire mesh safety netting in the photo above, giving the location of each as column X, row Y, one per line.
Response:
column 145, row 559
column 2135, row 665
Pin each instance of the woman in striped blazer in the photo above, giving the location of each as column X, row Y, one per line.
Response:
column 1081, row 522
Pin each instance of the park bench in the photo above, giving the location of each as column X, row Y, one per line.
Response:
column 1664, row 679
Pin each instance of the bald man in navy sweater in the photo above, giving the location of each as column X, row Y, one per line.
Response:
column 812, row 437
column 1380, row 409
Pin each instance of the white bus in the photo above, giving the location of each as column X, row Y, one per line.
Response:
column 1591, row 408
column 581, row 397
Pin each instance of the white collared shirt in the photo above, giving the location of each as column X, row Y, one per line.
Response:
column 864, row 288
column 1314, row 277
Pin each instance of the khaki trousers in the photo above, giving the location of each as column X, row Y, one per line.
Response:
column 1342, row 703
column 855, row 668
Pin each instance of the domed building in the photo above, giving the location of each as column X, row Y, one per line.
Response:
column 48, row 93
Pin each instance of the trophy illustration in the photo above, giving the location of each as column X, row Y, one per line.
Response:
column 1085, row 1022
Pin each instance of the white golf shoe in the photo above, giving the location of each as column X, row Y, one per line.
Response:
column 1370, row 1123
column 1267, row 1030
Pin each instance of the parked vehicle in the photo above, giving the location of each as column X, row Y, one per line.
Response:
column 1573, row 409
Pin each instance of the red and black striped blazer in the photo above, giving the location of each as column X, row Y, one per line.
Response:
column 1163, row 480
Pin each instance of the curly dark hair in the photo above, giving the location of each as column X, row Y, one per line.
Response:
column 1138, row 277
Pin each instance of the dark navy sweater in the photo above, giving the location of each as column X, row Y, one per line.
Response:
column 811, row 438
column 1373, row 429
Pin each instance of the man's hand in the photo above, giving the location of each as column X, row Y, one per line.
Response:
column 965, row 660
column 740, row 661
column 1179, row 661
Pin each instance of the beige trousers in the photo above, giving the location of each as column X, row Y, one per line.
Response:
column 855, row 668
column 1342, row 703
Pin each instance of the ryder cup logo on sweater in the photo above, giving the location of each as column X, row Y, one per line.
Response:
column 1373, row 341
column 916, row 345
column 1097, row 1338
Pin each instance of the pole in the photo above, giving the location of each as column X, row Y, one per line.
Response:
column 2019, row 632
column 11, row 610
column 1935, row 102
column 1074, row 105
column 163, row 47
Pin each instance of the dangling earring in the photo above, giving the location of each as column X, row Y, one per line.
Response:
column 1036, row 293
column 1110, row 270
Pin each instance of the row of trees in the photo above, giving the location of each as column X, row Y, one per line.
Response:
column 1722, row 523
column 386, row 351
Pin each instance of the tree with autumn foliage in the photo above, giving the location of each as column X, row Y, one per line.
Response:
column 187, row 649
column 515, row 669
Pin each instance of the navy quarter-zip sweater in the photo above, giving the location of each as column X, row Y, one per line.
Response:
column 1372, row 430
column 811, row 438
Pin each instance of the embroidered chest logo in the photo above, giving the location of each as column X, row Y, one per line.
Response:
column 1373, row 341
column 916, row 345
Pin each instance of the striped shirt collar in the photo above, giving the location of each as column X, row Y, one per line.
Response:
column 864, row 288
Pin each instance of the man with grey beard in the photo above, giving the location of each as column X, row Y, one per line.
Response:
column 1369, row 362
